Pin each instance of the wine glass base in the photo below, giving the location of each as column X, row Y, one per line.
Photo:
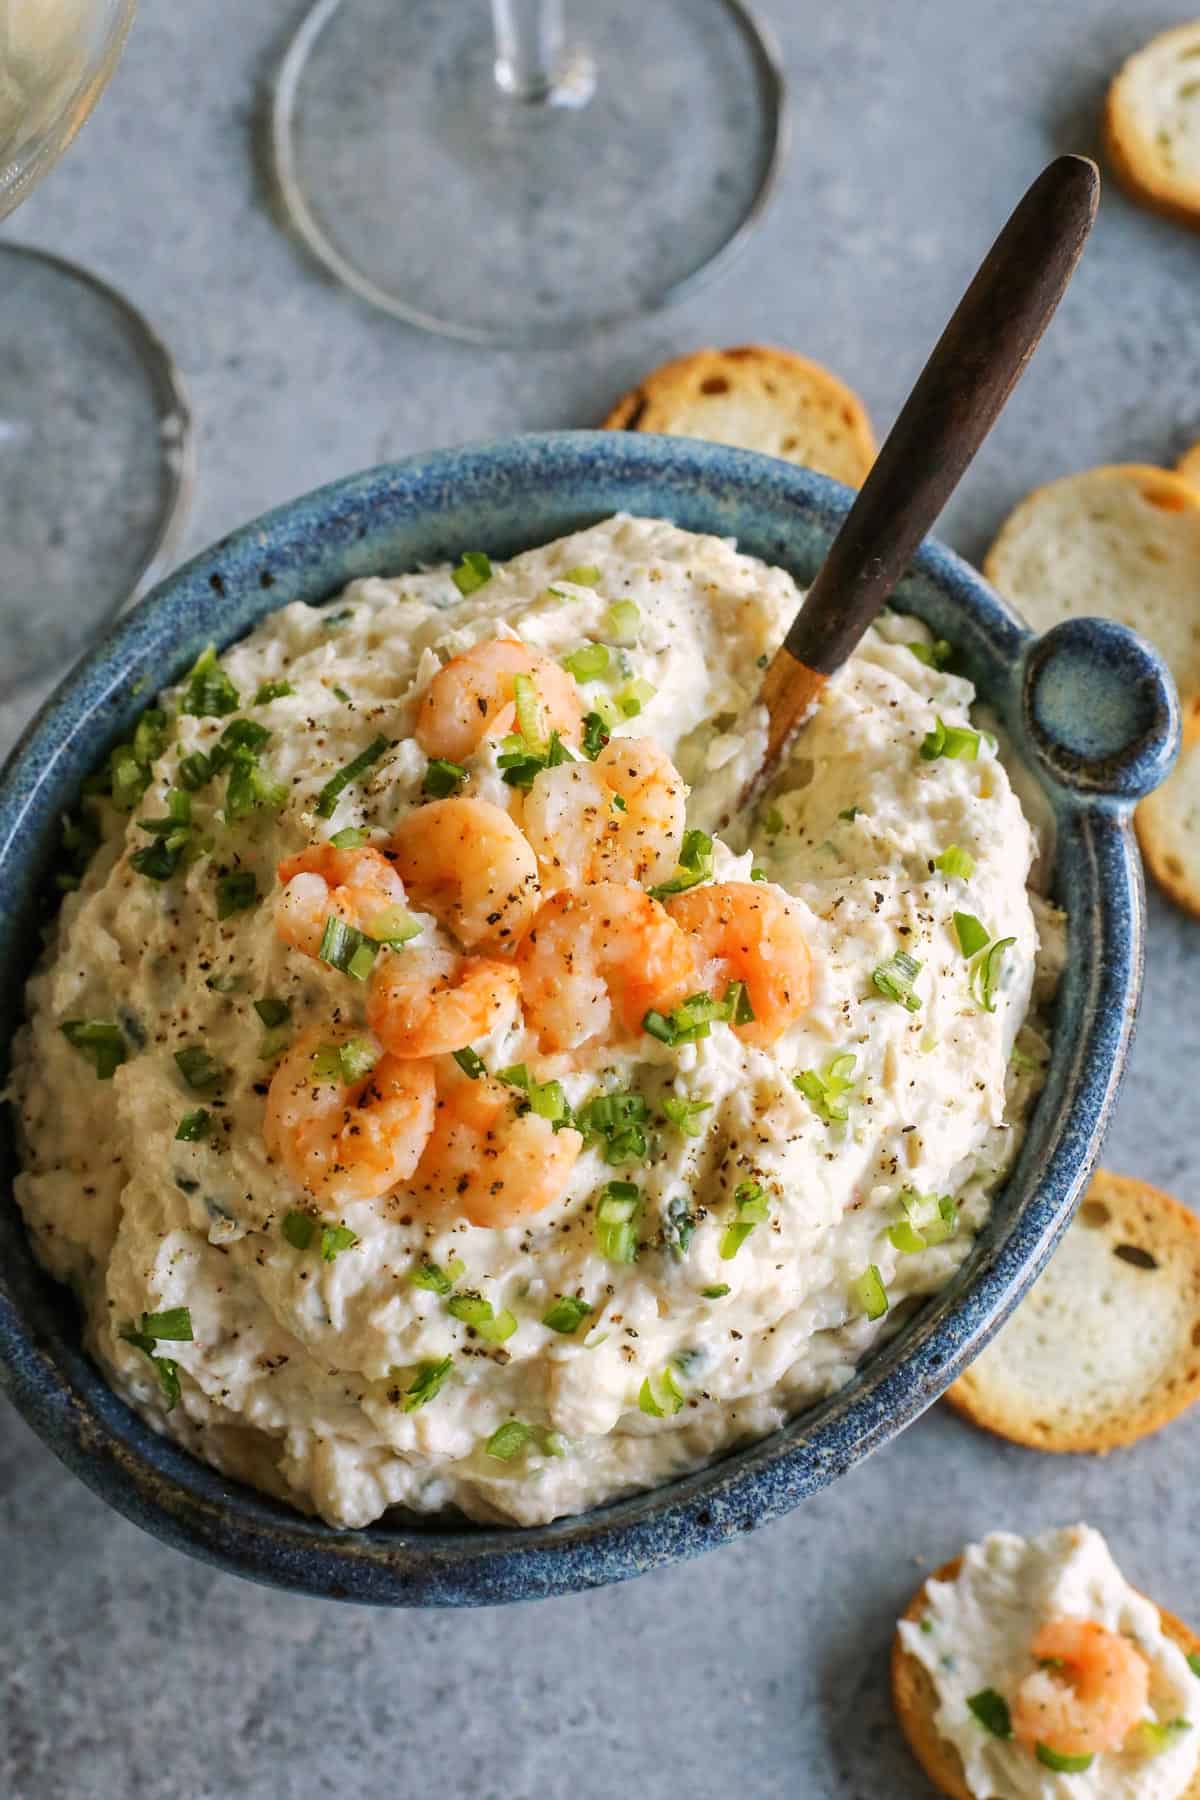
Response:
column 420, row 183
column 95, row 459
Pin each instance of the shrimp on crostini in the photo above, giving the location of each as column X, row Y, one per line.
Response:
column 472, row 698
column 486, row 1159
column 357, row 886
column 1089, row 1694
column 348, row 1139
column 427, row 1000
column 750, row 933
column 466, row 862
column 620, row 818
column 596, row 961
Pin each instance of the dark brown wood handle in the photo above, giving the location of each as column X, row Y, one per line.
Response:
column 958, row 396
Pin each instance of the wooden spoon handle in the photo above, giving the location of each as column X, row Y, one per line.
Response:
column 958, row 396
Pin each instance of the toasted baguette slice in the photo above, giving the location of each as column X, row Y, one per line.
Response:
column 1168, row 821
column 1122, row 542
column 914, row 1698
column 1152, row 124
column 1189, row 465
column 758, row 398
column 1106, row 1345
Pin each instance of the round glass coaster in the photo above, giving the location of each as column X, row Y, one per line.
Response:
column 423, row 167
column 95, row 459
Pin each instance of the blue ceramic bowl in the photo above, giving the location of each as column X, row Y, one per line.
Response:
column 1090, row 709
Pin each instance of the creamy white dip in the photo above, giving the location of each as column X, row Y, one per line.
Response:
column 298, row 1369
column 976, row 1635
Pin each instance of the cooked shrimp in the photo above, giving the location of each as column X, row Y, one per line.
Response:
column 472, row 698
column 751, row 934
column 467, row 863
column 619, row 818
column 357, row 886
column 348, row 1140
column 486, row 1160
column 600, row 959
column 1093, row 1696
column 429, row 1001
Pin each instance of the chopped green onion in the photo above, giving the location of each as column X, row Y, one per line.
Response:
column 436, row 1280
column 346, row 948
column 935, row 655
column 470, row 1063
column 479, row 1313
column 588, row 663
column 621, row 622
column 339, row 693
column 971, row 933
column 150, row 736
column 472, row 573
column 750, row 1199
column 954, row 861
column 617, row 1215
column 679, row 1225
column 432, row 1276
column 894, row 979
column 521, row 762
column 869, row 1291
column 273, row 690
column 166, row 1370
column 595, row 735
column 991, row 1709
column 986, row 973
column 239, row 735
column 1151, row 1738
column 549, row 1101
column 616, row 1122
column 529, row 710
column 353, row 837
column 1193, row 1662
column 100, row 1041
column 249, row 791
column 335, row 1239
column 272, row 1012
column 926, row 1219
column 757, row 874
column 1064, row 1765
column 356, row 1058
column 695, row 865
column 175, row 1325
column 505, row 1442
column 209, row 692
column 199, row 1069
column 195, row 771
column 667, row 1402
column 826, row 1091
column 443, row 778
column 633, row 697
column 236, row 892
column 394, row 926
column 325, row 1064
column 583, row 575
column 193, row 1126
column 330, row 794
column 850, row 813
column 566, row 1314
column 685, row 1114
column 715, row 1293
column 955, row 741
column 426, row 1382
column 273, row 1043
column 299, row 1228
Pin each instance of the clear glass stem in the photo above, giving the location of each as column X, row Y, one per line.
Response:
column 529, row 47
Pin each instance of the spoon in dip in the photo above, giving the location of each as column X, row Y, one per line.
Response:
column 956, row 400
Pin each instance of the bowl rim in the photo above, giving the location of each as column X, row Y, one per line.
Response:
column 189, row 1504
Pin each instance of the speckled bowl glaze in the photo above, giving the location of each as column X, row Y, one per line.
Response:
column 1091, row 711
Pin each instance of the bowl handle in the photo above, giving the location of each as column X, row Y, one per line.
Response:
column 1100, row 710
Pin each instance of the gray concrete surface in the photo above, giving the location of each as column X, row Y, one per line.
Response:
column 760, row 1671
